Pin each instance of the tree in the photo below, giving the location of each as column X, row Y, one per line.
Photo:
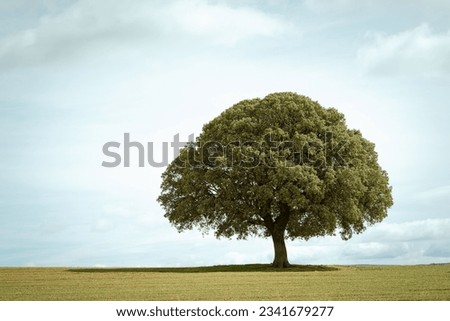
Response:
column 281, row 167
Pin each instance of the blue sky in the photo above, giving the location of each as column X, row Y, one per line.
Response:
column 77, row 74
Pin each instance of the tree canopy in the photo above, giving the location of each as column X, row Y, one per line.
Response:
column 281, row 167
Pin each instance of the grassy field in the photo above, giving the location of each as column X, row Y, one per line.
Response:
column 238, row 282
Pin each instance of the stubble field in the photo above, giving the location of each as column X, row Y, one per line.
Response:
column 236, row 282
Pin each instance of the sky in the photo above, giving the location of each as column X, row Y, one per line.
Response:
column 75, row 75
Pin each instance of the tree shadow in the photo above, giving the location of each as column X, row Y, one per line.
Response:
column 209, row 269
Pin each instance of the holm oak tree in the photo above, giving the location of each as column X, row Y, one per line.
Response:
column 282, row 167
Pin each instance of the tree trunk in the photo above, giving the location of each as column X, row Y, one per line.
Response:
column 281, row 259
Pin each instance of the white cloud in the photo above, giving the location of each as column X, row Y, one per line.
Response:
column 103, row 28
column 438, row 250
column 77, row 29
column 333, row 5
column 421, row 230
column 418, row 51
column 421, row 241
column 326, row 5
column 413, row 242
column 237, row 258
column 99, row 265
column 310, row 252
column 374, row 250
column 225, row 25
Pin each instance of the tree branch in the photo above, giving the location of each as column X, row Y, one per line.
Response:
column 256, row 222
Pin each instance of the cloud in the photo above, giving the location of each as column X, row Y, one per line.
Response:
column 332, row 5
column 314, row 253
column 79, row 28
column 420, row 230
column 419, row 51
column 374, row 250
column 225, row 25
column 422, row 241
column 413, row 242
column 438, row 250
column 327, row 5
column 104, row 28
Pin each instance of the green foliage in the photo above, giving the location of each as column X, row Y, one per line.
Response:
column 282, row 164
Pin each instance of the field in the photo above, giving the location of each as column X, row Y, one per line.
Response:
column 235, row 282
